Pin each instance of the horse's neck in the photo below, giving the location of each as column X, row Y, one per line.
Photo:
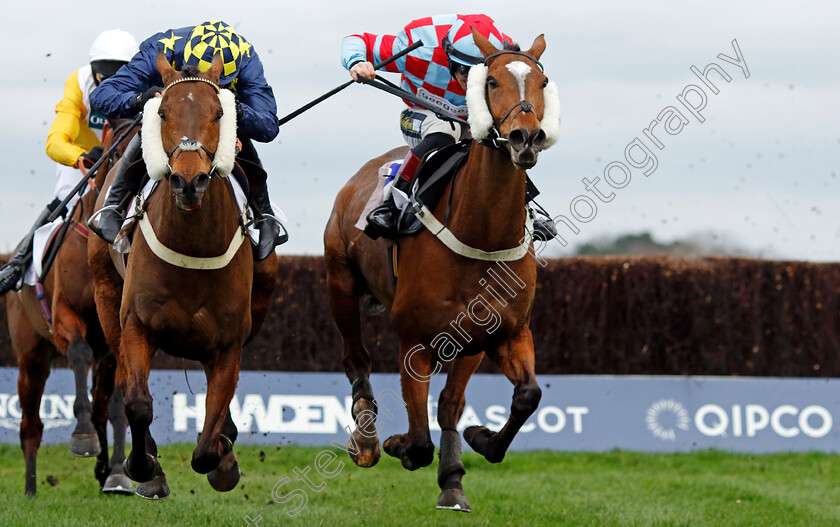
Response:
column 204, row 232
column 488, row 210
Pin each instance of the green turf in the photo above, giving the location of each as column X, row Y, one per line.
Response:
column 534, row 489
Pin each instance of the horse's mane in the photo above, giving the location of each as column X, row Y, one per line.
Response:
column 511, row 46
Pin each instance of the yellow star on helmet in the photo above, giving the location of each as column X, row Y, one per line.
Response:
column 169, row 42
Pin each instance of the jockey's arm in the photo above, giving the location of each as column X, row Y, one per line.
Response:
column 65, row 128
column 259, row 108
column 360, row 52
column 113, row 97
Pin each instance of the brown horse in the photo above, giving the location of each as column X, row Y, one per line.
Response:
column 442, row 303
column 184, row 305
column 74, row 333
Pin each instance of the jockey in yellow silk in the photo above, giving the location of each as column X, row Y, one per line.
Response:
column 74, row 139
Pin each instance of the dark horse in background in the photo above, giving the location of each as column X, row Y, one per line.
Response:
column 438, row 288
column 74, row 333
column 206, row 302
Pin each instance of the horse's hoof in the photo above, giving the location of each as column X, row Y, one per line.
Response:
column 141, row 476
column 480, row 439
column 225, row 477
column 364, row 451
column 117, row 484
column 84, row 445
column 413, row 457
column 453, row 500
column 156, row 489
column 389, row 448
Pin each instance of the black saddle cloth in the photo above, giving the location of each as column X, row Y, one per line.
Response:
column 438, row 168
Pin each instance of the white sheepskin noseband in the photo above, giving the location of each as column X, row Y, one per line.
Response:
column 481, row 120
column 478, row 113
column 157, row 162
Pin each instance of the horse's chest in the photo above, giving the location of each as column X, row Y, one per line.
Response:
column 476, row 321
column 181, row 325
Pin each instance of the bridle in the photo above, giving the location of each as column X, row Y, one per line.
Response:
column 187, row 144
column 524, row 105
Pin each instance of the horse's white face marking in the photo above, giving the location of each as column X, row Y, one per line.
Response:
column 520, row 70
column 190, row 96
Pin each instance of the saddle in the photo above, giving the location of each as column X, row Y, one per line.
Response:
column 438, row 168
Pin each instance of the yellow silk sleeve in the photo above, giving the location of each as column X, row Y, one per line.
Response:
column 69, row 136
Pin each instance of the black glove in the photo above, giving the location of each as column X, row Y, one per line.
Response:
column 140, row 99
column 88, row 159
column 240, row 111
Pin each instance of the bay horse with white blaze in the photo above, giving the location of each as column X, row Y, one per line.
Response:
column 192, row 288
column 434, row 309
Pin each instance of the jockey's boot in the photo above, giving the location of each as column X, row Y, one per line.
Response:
column 107, row 221
column 272, row 232
column 382, row 221
column 12, row 272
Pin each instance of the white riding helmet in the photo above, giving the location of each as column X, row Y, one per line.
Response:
column 113, row 44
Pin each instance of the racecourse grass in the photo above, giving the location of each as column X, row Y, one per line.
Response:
column 533, row 489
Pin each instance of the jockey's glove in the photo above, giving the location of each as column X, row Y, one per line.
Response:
column 140, row 99
column 88, row 159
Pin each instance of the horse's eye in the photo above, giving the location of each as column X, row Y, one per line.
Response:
column 545, row 83
column 162, row 115
column 491, row 83
column 219, row 115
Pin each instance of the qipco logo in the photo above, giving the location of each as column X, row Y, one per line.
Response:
column 786, row 420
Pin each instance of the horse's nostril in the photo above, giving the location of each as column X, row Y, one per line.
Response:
column 538, row 139
column 516, row 138
column 201, row 182
column 177, row 183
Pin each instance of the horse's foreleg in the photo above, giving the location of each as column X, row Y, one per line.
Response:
column 103, row 385
column 225, row 477
column 84, row 441
column 450, row 407
column 157, row 487
column 134, row 363
column 363, row 446
column 34, row 368
column 415, row 449
column 516, row 359
column 222, row 374
column 108, row 405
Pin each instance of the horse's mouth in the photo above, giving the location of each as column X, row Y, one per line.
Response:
column 525, row 159
column 188, row 207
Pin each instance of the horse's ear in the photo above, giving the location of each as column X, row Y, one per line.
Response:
column 483, row 44
column 216, row 68
column 167, row 72
column 537, row 47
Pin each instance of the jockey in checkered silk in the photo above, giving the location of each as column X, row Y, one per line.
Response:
column 74, row 139
column 435, row 72
column 125, row 94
